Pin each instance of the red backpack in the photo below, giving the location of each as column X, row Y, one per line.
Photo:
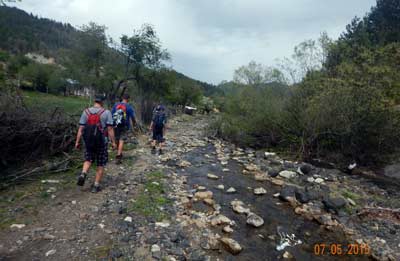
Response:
column 93, row 134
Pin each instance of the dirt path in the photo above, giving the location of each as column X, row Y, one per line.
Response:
column 65, row 222
column 169, row 208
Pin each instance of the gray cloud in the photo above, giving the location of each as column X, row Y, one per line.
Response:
column 208, row 39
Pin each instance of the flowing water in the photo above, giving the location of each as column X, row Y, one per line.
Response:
column 256, row 242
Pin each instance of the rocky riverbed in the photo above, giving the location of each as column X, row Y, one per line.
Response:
column 204, row 199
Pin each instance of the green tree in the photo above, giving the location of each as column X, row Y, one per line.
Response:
column 256, row 74
column 38, row 75
column 92, row 49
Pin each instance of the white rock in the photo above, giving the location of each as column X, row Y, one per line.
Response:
column 128, row 219
column 203, row 194
column 231, row 190
column 225, row 170
column 227, row 229
column 260, row 191
column 269, row 154
column 231, row 245
column 155, row 248
column 212, row 176
column 254, row 220
column 276, row 195
column 319, row 180
column 51, row 252
column 238, row 207
column 220, row 219
column 287, row 174
column 73, row 202
column 50, row 181
column 162, row 224
column 310, row 179
column 19, row 226
column 101, row 225
column 221, row 187
column 201, row 188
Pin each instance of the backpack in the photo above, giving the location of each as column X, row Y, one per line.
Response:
column 93, row 134
column 159, row 120
column 119, row 116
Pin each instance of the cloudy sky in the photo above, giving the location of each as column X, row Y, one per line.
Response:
column 208, row 39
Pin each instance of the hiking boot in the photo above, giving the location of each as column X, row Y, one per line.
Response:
column 118, row 159
column 95, row 188
column 160, row 151
column 81, row 179
column 153, row 150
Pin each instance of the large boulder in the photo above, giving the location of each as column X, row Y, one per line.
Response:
column 305, row 169
column 334, row 203
column 302, row 196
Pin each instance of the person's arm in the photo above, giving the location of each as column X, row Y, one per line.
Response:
column 111, row 134
column 82, row 123
column 79, row 136
column 110, row 128
column 132, row 119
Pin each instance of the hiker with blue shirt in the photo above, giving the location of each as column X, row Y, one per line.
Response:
column 158, row 126
column 123, row 118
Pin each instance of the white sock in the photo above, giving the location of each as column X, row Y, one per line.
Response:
column 96, row 184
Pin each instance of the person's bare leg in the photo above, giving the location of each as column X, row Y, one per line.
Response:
column 99, row 174
column 120, row 147
column 86, row 166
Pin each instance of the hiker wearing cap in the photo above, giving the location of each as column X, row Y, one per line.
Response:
column 96, row 124
column 123, row 119
column 158, row 127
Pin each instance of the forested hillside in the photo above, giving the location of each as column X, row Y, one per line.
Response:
column 22, row 33
column 68, row 61
column 342, row 96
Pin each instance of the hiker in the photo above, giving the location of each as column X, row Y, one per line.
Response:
column 158, row 126
column 96, row 125
column 123, row 118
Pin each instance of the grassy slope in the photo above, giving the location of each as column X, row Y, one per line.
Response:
column 72, row 105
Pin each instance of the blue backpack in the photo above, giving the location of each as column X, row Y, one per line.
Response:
column 159, row 120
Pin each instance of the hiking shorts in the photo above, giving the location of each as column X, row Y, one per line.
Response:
column 121, row 134
column 99, row 155
column 158, row 135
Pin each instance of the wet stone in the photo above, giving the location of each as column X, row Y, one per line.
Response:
column 287, row 192
column 334, row 204
column 301, row 196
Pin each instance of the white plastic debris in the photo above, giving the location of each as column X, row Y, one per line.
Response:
column 287, row 240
